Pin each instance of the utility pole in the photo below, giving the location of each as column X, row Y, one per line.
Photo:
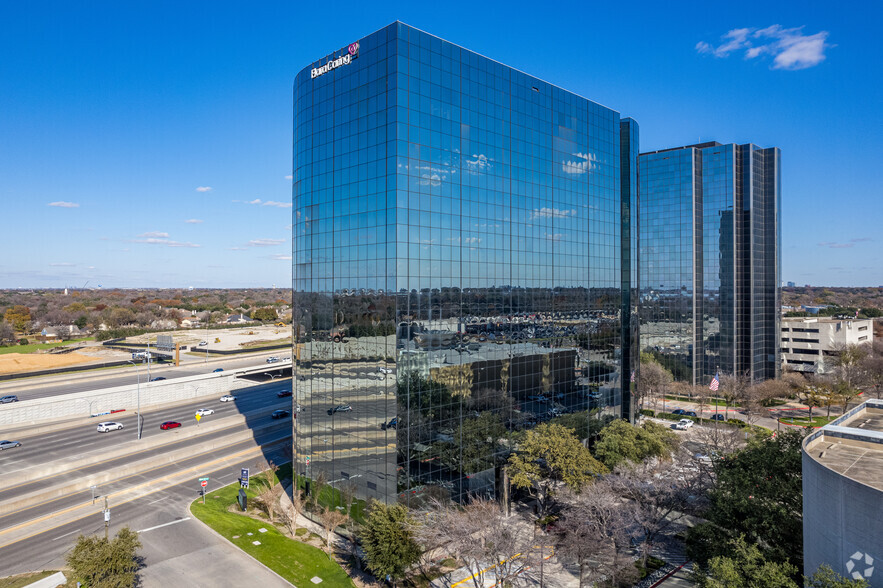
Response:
column 106, row 518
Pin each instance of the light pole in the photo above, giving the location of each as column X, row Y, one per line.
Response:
column 89, row 402
column 138, row 375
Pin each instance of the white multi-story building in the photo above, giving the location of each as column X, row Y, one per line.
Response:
column 808, row 343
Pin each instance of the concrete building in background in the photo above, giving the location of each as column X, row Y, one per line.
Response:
column 709, row 259
column 462, row 264
column 843, row 494
column 809, row 344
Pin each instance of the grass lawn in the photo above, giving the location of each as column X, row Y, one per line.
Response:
column 295, row 561
column 804, row 421
column 266, row 343
column 35, row 346
column 24, row 579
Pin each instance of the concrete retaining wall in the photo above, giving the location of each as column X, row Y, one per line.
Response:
column 95, row 402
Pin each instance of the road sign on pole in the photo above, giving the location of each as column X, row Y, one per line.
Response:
column 204, row 483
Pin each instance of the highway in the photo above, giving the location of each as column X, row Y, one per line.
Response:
column 46, row 386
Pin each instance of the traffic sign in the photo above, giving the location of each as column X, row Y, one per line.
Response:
column 243, row 477
column 198, row 416
column 203, row 479
column 203, row 483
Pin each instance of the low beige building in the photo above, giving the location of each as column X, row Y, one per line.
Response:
column 808, row 344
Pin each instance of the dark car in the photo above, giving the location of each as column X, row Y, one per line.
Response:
column 169, row 425
column 717, row 417
column 340, row 408
column 393, row 424
column 679, row 411
column 691, row 413
column 217, row 370
column 280, row 414
column 8, row 399
column 157, row 379
column 283, row 393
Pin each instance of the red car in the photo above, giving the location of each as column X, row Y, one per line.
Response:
column 169, row 425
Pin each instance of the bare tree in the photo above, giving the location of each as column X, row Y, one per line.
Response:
column 873, row 368
column 268, row 499
column 292, row 509
column 331, row 519
column 652, row 382
column 592, row 534
column 480, row 536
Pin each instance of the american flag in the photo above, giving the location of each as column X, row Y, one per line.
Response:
column 715, row 383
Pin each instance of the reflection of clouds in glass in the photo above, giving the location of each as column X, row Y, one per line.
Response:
column 584, row 162
column 554, row 237
column 551, row 213
column 472, row 240
column 478, row 164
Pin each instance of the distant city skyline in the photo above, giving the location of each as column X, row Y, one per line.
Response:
column 150, row 146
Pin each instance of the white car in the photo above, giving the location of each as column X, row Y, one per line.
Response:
column 204, row 411
column 203, row 343
column 228, row 398
column 683, row 424
column 384, row 370
column 109, row 426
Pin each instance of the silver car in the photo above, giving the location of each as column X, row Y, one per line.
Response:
column 9, row 444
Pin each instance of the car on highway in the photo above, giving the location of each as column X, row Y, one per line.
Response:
column 340, row 408
column 385, row 370
column 717, row 417
column 169, row 425
column 157, row 379
column 8, row 399
column 283, row 393
column 204, row 411
column 109, row 426
column 683, row 424
column 214, row 371
column 272, row 359
column 393, row 424
column 9, row 444
column 228, row 398
column 280, row 414
column 203, row 343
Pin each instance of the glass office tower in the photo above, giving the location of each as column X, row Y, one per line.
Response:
column 460, row 266
column 709, row 260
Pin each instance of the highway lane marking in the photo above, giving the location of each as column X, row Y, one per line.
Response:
column 117, row 481
column 235, row 457
column 163, row 525
column 65, row 535
column 155, row 501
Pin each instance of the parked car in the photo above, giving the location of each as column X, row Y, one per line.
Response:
column 157, row 379
column 678, row 411
column 384, row 370
column 214, row 371
column 691, row 413
column 8, row 399
column 340, row 408
column 228, row 398
column 717, row 417
column 280, row 414
column 272, row 359
column 683, row 424
column 283, row 393
column 9, row 444
column 203, row 343
column 169, row 425
column 204, row 411
column 109, row 426
column 393, row 424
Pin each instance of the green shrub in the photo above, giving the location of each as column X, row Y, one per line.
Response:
column 647, row 412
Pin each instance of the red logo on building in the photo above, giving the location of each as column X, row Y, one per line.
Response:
column 354, row 48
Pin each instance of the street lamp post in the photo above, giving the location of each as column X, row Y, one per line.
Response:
column 138, row 376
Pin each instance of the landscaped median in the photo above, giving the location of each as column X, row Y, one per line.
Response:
column 295, row 561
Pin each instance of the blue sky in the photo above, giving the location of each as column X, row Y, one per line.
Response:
column 149, row 143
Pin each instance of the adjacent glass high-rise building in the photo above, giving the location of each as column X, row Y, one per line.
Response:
column 709, row 260
column 463, row 264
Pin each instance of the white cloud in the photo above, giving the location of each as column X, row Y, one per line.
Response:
column 62, row 264
column 277, row 204
column 289, row 177
column 834, row 245
column 193, row 221
column 237, row 248
column 281, row 257
column 789, row 48
column 204, row 189
column 163, row 241
column 265, row 242
column 255, row 201
column 156, row 234
column 62, row 204
column 551, row 213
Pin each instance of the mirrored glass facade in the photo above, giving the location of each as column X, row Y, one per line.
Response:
column 462, row 264
column 709, row 259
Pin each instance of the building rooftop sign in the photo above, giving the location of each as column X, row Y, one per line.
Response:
column 345, row 59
